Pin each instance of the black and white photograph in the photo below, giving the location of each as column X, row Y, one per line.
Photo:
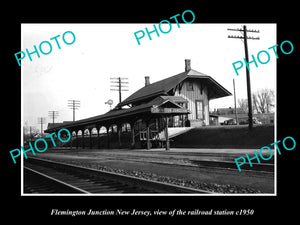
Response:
column 166, row 115
column 134, row 114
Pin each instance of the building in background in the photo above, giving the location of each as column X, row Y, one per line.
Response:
column 226, row 116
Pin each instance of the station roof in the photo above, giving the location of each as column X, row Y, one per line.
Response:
column 162, row 87
column 114, row 115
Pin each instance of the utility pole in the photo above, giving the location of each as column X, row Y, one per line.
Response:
column 30, row 133
column 120, row 83
column 41, row 120
column 53, row 115
column 236, row 117
column 74, row 104
column 245, row 37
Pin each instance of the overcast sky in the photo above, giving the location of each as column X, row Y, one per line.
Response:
column 82, row 70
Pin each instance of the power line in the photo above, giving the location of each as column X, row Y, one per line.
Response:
column 245, row 38
column 74, row 105
column 41, row 120
column 119, row 84
column 53, row 115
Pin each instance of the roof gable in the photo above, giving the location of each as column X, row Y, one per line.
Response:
column 154, row 89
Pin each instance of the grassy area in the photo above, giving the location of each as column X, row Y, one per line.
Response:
column 225, row 137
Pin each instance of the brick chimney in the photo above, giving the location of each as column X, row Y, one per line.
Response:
column 187, row 65
column 147, row 80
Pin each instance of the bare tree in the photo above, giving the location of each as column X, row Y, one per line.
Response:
column 29, row 132
column 243, row 104
column 263, row 100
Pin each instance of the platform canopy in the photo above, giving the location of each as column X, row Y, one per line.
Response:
column 160, row 106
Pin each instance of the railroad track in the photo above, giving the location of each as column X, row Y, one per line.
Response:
column 36, row 183
column 45, row 176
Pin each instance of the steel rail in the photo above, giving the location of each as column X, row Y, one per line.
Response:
column 89, row 179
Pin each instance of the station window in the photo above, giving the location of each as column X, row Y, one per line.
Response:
column 190, row 86
column 199, row 109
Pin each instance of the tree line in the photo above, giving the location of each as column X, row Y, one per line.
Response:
column 262, row 101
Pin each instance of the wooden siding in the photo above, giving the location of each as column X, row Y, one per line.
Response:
column 194, row 95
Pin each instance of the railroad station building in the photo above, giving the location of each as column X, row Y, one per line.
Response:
column 144, row 119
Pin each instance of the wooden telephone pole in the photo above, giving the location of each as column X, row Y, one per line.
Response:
column 41, row 120
column 53, row 115
column 235, row 112
column 119, row 84
column 74, row 105
column 245, row 37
